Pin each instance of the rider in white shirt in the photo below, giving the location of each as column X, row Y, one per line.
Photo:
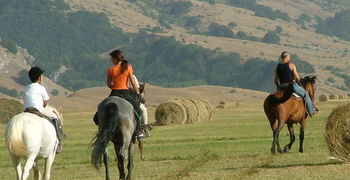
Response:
column 36, row 98
column 142, row 106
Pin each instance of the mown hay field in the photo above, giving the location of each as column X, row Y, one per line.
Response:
column 235, row 144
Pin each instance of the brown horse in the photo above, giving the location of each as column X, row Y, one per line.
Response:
column 282, row 108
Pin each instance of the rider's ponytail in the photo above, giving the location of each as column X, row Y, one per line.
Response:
column 117, row 54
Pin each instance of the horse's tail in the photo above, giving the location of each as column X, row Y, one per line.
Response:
column 105, row 134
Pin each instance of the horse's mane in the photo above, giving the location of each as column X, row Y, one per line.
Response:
column 308, row 79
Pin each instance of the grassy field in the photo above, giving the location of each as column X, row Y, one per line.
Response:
column 234, row 145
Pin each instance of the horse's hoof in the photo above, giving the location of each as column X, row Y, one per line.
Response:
column 285, row 149
column 280, row 151
column 273, row 150
column 301, row 151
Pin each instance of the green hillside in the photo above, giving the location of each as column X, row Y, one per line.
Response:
column 58, row 37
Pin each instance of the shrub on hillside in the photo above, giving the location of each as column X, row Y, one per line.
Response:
column 271, row 37
column 216, row 29
column 232, row 24
column 302, row 19
column 278, row 29
column 243, row 35
column 23, row 77
column 9, row 108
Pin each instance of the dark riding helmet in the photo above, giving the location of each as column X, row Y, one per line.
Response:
column 34, row 73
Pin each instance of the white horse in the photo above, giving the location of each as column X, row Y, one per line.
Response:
column 31, row 137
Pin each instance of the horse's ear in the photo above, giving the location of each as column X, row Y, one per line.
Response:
column 60, row 109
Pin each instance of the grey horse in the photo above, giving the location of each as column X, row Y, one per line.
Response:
column 116, row 123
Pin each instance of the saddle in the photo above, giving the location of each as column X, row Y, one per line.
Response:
column 55, row 122
column 37, row 112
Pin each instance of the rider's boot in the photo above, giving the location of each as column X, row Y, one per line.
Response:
column 59, row 133
column 139, row 134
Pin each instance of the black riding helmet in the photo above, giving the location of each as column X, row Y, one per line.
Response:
column 34, row 73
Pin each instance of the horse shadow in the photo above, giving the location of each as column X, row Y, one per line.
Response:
column 269, row 166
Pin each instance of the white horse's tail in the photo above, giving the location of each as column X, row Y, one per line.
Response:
column 13, row 136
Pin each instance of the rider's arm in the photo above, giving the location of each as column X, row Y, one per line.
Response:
column 109, row 80
column 45, row 97
column 295, row 72
column 276, row 78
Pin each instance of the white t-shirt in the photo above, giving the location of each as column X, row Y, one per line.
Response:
column 34, row 95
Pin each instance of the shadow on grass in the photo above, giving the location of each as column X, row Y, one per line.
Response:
column 268, row 166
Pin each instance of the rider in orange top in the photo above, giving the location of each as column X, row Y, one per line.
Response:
column 117, row 79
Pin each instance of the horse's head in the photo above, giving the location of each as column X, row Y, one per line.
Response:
column 309, row 84
column 142, row 88
column 53, row 112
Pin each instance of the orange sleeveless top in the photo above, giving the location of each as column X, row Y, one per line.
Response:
column 119, row 79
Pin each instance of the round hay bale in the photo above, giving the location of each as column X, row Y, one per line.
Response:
column 208, row 107
column 181, row 111
column 322, row 98
column 333, row 96
column 203, row 114
column 220, row 106
column 9, row 108
column 342, row 96
column 338, row 132
column 191, row 109
column 170, row 113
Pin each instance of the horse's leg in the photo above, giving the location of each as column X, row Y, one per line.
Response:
column 141, row 149
column 277, row 133
column 273, row 148
column 106, row 163
column 120, row 156
column 28, row 166
column 17, row 165
column 301, row 136
column 131, row 160
column 48, row 164
column 292, row 138
column 37, row 175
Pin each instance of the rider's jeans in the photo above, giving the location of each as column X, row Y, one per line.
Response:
column 301, row 91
